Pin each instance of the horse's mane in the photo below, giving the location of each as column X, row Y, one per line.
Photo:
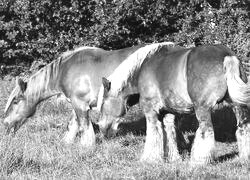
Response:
column 126, row 71
column 38, row 83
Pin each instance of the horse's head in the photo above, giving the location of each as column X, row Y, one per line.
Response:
column 112, row 107
column 18, row 108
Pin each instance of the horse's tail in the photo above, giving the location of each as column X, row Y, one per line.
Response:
column 238, row 91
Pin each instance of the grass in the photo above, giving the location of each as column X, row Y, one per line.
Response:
column 36, row 152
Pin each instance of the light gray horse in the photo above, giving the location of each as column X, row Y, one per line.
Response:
column 75, row 74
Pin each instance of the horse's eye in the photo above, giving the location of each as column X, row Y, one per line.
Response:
column 15, row 101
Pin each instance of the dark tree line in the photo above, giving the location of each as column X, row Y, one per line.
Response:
column 34, row 30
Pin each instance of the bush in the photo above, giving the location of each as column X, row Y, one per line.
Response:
column 40, row 30
column 32, row 30
column 228, row 25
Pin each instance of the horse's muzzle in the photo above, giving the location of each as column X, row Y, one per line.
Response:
column 11, row 128
column 107, row 131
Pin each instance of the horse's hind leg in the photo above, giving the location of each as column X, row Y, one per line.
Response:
column 204, row 138
column 73, row 128
column 243, row 130
column 170, row 129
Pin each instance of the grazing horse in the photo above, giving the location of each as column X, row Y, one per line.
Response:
column 75, row 74
column 174, row 80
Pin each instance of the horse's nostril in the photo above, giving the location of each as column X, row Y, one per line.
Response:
column 104, row 131
column 6, row 124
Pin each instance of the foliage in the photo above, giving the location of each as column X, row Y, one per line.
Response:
column 32, row 30
column 38, row 30
column 228, row 25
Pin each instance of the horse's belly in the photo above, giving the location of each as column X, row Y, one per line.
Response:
column 175, row 93
column 175, row 102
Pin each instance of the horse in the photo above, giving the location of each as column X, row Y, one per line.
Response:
column 174, row 80
column 76, row 75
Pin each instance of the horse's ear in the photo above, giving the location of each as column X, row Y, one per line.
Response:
column 22, row 84
column 106, row 84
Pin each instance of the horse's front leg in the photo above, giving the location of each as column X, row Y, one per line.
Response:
column 242, row 114
column 204, row 142
column 72, row 129
column 170, row 129
column 81, row 95
column 155, row 144
column 86, row 130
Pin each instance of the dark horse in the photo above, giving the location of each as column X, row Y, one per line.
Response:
column 173, row 80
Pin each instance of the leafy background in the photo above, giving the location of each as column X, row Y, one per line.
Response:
column 34, row 31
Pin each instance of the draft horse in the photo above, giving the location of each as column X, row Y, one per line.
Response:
column 172, row 80
column 75, row 74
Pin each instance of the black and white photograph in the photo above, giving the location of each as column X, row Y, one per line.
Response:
column 124, row 89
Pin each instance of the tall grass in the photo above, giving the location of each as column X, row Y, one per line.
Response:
column 36, row 152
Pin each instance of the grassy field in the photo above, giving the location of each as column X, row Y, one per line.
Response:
column 36, row 152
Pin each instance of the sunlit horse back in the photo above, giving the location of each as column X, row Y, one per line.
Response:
column 75, row 74
column 174, row 81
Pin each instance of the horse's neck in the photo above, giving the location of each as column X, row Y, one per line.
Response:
column 130, row 87
column 125, row 76
column 124, row 80
column 43, row 84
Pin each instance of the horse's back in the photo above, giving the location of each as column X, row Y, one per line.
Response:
column 87, row 67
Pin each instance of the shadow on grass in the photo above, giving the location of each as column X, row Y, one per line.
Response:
column 226, row 157
column 137, row 127
column 223, row 120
